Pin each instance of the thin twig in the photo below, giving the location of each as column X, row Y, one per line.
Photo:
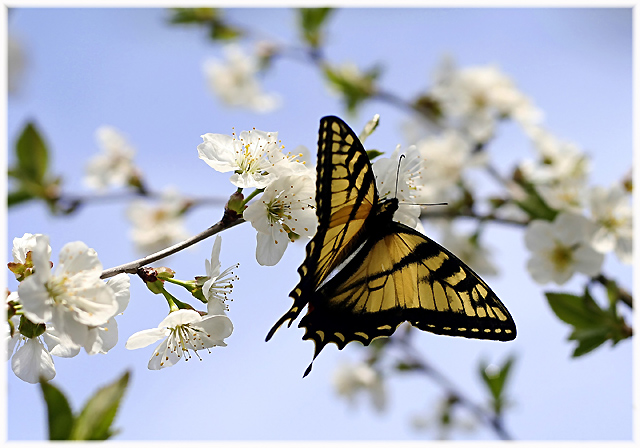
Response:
column 132, row 267
column 492, row 420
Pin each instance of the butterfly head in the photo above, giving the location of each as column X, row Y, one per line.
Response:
column 387, row 207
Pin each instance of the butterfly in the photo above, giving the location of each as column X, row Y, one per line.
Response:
column 387, row 272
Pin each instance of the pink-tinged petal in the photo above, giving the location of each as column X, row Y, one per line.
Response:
column 76, row 257
column 539, row 236
column 120, row 285
column 33, row 361
column 180, row 317
column 35, row 300
column 145, row 337
column 268, row 251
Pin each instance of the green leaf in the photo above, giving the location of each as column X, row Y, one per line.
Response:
column 496, row 380
column 311, row 22
column 58, row 411
column 32, row 155
column 94, row 422
column 373, row 153
column 579, row 311
column 533, row 204
column 588, row 340
column 192, row 15
column 18, row 197
column 355, row 86
column 220, row 30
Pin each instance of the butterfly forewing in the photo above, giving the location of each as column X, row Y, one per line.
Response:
column 345, row 196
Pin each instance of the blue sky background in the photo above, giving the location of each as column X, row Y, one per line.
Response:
column 129, row 69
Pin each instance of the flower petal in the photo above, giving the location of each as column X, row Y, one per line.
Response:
column 145, row 337
column 33, row 361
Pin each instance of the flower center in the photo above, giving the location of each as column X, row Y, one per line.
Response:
column 562, row 257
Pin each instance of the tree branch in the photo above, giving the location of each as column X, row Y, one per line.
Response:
column 132, row 267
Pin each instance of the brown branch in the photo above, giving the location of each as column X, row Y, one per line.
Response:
column 132, row 267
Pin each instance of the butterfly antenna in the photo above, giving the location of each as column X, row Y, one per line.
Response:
column 398, row 174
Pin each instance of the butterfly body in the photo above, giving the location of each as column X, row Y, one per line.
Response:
column 384, row 272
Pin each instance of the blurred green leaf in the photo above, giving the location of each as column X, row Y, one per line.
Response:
column 58, row 412
column 588, row 339
column 95, row 420
column 533, row 204
column 495, row 380
column 32, row 155
column 373, row 153
column 354, row 86
column 311, row 22
column 18, row 197
column 212, row 18
column 192, row 15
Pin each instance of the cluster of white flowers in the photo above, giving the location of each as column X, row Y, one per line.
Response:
column 184, row 329
column 114, row 165
column 67, row 309
column 478, row 97
column 286, row 209
column 235, row 81
column 576, row 240
column 160, row 226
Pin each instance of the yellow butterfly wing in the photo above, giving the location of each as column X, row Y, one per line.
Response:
column 345, row 196
column 401, row 275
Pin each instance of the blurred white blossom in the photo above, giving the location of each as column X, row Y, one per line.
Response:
column 182, row 330
column 561, row 248
column 350, row 379
column 478, row 97
column 446, row 157
column 235, row 81
column 285, row 210
column 611, row 211
column 470, row 251
column 160, row 226
column 217, row 286
column 114, row 165
column 73, row 298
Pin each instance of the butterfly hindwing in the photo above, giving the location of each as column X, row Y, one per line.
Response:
column 400, row 274
column 345, row 195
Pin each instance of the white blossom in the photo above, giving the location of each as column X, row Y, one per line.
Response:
column 408, row 173
column 446, row 157
column 350, row 379
column 114, row 165
column 157, row 227
column 235, row 81
column 182, row 330
column 558, row 161
column 251, row 157
column 611, row 211
column 561, row 248
column 470, row 251
column 21, row 247
column 73, row 298
column 217, row 286
column 32, row 360
column 285, row 209
column 477, row 97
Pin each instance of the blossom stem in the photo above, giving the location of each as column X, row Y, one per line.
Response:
column 132, row 267
column 252, row 195
column 623, row 295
